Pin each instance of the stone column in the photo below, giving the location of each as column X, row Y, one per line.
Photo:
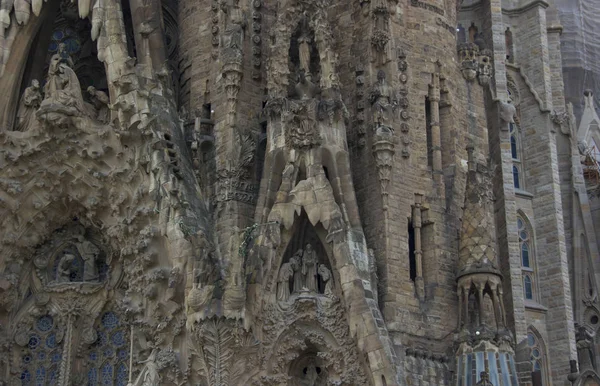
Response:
column 417, row 224
column 436, row 141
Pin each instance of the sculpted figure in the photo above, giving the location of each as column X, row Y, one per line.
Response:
column 236, row 23
column 149, row 375
column 304, row 51
column 89, row 253
column 325, row 274
column 286, row 272
column 309, row 268
column 63, row 273
column 63, row 86
column 296, row 263
column 100, row 101
column 305, row 88
column 30, row 101
column 381, row 100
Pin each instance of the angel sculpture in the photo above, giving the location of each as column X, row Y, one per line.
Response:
column 149, row 375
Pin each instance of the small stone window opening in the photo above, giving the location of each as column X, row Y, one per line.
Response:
column 411, row 251
column 207, row 111
column 508, row 37
column 527, row 259
column 428, row 132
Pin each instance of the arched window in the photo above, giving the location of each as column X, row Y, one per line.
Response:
column 108, row 356
column 527, row 260
column 515, row 154
column 538, row 359
column 40, row 359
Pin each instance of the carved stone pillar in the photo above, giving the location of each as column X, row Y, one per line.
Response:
column 436, row 141
column 417, row 225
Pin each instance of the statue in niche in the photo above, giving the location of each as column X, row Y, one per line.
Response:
column 89, row 253
column 304, row 42
column 309, row 268
column 100, row 101
column 64, row 269
column 235, row 25
column 296, row 263
column 149, row 375
column 381, row 100
column 286, row 272
column 305, row 89
column 30, row 102
column 62, row 86
column 325, row 274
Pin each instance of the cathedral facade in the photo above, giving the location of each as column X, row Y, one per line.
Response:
column 298, row 192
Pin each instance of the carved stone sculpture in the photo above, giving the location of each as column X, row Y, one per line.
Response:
column 309, row 268
column 296, row 263
column 30, row 102
column 62, row 86
column 149, row 375
column 381, row 100
column 63, row 272
column 236, row 23
column 89, row 253
column 286, row 272
column 100, row 101
column 325, row 274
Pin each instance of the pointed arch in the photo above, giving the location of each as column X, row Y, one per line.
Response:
column 538, row 356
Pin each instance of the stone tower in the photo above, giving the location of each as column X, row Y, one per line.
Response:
column 294, row 192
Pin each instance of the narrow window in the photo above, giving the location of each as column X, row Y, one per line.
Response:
column 516, row 177
column 508, row 37
column 411, row 251
column 528, row 288
column 428, row 132
column 207, row 111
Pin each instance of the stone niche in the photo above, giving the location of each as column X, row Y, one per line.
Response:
column 73, row 256
column 305, row 269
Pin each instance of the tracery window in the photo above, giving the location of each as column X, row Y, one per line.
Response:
column 108, row 356
column 527, row 263
column 537, row 358
column 41, row 356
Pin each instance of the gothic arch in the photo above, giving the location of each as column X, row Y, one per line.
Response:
column 542, row 358
column 286, row 249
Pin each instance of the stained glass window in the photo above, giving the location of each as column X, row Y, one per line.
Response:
column 109, row 355
column 40, row 358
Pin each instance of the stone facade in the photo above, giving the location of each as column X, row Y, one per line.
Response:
column 295, row 192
